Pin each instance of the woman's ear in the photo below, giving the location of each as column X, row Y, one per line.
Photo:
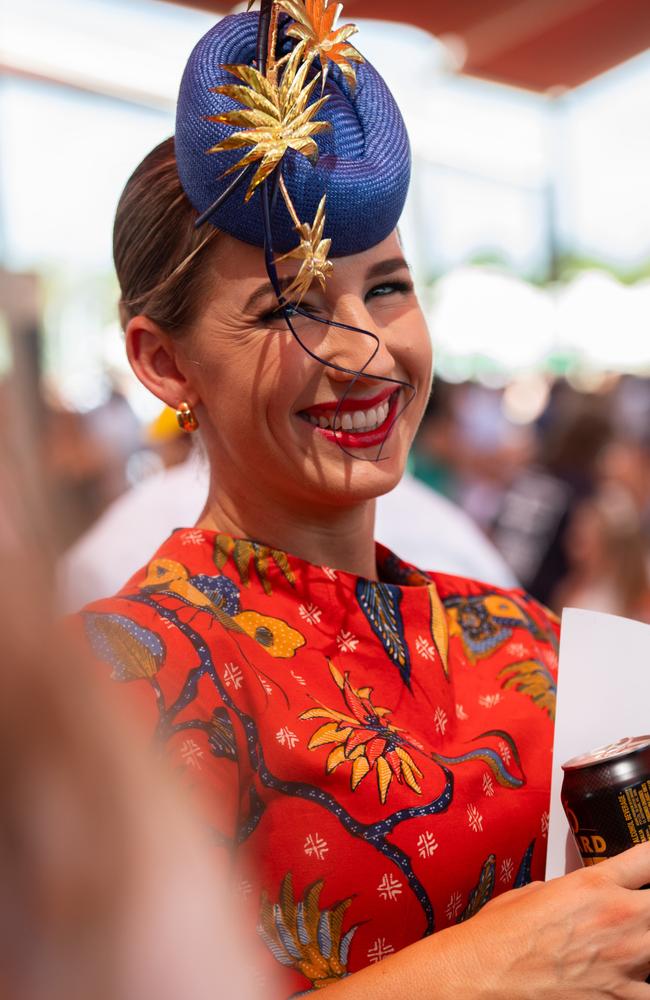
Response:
column 154, row 356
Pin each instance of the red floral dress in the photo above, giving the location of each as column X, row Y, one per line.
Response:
column 376, row 756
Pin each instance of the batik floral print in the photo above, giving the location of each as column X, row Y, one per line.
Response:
column 368, row 741
column 534, row 679
column 218, row 597
column 374, row 755
column 245, row 554
column 487, row 622
column 363, row 738
column 304, row 937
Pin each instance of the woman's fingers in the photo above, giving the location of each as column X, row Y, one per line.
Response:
column 631, row 870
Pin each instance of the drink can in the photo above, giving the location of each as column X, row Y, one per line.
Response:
column 606, row 797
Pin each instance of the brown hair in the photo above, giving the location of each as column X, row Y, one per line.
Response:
column 156, row 248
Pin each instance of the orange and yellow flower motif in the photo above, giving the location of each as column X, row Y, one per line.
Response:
column 363, row 738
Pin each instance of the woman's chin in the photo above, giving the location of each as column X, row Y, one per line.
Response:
column 348, row 481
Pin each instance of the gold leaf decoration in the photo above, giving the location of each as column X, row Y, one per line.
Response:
column 274, row 117
column 312, row 252
column 314, row 23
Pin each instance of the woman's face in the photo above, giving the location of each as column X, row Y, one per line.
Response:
column 266, row 407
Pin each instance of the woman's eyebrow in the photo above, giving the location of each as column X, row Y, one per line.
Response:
column 378, row 270
column 384, row 267
column 262, row 291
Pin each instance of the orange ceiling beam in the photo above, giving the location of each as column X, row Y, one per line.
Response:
column 536, row 44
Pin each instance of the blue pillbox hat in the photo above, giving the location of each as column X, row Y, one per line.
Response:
column 363, row 165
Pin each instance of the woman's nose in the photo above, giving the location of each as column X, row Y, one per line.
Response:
column 353, row 342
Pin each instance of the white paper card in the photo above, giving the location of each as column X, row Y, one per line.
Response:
column 603, row 695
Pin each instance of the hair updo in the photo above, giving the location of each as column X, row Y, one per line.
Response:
column 157, row 251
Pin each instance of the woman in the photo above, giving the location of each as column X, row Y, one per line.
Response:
column 377, row 739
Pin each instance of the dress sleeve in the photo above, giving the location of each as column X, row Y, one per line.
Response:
column 164, row 678
column 547, row 620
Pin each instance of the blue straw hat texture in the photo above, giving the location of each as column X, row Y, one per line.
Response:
column 364, row 159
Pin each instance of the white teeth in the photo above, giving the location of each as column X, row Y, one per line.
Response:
column 353, row 420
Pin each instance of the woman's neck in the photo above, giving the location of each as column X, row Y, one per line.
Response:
column 342, row 538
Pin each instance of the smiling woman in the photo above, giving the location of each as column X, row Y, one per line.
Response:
column 204, row 326
column 371, row 741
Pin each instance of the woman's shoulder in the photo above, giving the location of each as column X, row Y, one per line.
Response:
column 131, row 626
column 178, row 557
column 467, row 597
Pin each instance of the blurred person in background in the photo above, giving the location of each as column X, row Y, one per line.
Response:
column 607, row 542
column 607, row 556
column 435, row 452
column 467, row 450
column 626, row 462
column 322, row 692
column 85, row 456
column 530, row 527
column 108, row 889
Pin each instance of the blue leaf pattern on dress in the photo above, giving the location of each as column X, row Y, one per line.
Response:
column 482, row 893
column 222, row 735
column 524, row 875
column 133, row 651
column 324, row 937
column 380, row 604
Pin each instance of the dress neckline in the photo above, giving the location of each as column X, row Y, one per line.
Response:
column 392, row 570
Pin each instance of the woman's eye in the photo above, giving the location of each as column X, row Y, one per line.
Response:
column 278, row 314
column 390, row 288
column 292, row 312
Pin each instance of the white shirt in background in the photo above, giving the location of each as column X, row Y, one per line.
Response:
column 413, row 521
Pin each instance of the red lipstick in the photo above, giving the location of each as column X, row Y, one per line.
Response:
column 350, row 404
column 357, row 439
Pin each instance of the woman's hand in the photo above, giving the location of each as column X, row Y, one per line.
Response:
column 585, row 936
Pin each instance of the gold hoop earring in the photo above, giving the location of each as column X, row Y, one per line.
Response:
column 186, row 418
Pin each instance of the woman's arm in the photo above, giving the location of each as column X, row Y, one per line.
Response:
column 582, row 937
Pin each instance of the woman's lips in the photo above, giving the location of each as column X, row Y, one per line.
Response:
column 377, row 414
column 349, row 404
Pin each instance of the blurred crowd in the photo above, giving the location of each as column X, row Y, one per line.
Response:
column 564, row 497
